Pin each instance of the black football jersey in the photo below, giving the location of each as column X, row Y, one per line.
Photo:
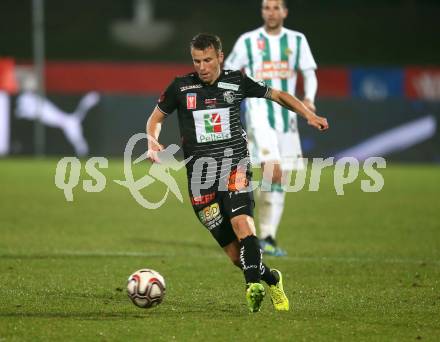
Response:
column 209, row 116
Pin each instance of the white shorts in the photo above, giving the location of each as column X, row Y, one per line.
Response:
column 267, row 144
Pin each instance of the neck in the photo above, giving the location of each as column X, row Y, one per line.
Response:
column 273, row 31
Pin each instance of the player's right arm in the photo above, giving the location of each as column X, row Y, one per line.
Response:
column 166, row 104
column 237, row 59
column 154, row 126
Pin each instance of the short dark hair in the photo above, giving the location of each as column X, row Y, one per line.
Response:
column 203, row 41
column 283, row 3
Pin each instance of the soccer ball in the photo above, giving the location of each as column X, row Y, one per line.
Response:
column 146, row 288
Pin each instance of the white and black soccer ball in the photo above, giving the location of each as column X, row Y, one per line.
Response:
column 146, row 288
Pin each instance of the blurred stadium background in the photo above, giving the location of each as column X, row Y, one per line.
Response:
column 379, row 74
column 360, row 266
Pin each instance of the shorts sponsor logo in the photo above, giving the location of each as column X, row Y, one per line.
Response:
column 191, row 101
column 212, row 125
column 235, row 209
column 230, row 86
column 193, row 86
column 198, row 200
column 210, row 216
column 229, row 96
column 274, row 70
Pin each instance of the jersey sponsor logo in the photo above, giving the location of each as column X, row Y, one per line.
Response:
column 191, row 101
column 211, row 103
column 229, row 96
column 198, row 200
column 210, row 216
column 193, row 86
column 230, row 86
column 261, row 43
column 274, row 70
column 212, row 125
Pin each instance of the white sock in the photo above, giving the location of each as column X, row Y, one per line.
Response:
column 271, row 206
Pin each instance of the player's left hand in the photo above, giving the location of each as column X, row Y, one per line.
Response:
column 318, row 122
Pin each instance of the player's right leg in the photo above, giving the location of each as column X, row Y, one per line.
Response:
column 250, row 260
column 264, row 150
column 271, row 207
column 271, row 277
column 240, row 244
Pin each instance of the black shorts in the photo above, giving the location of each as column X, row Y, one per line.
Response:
column 215, row 208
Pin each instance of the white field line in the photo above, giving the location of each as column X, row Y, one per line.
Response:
column 111, row 254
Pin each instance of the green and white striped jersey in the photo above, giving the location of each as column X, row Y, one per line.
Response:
column 276, row 61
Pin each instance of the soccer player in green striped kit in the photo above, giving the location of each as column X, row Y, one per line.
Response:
column 274, row 54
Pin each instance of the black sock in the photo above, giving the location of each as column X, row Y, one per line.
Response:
column 250, row 259
column 271, row 240
column 267, row 275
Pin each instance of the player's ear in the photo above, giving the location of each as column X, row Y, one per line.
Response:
column 221, row 57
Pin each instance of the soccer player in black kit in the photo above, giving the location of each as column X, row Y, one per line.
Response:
column 219, row 177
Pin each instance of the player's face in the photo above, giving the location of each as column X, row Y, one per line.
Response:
column 273, row 13
column 207, row 63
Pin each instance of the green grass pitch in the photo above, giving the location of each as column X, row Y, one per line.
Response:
column 363, row 266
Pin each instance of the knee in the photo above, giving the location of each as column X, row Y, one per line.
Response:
column 277, row 174
column 272, row 172
column 243, row 226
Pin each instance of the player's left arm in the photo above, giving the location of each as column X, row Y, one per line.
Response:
column 310, row 88
column 307, row 65
column 293, row 104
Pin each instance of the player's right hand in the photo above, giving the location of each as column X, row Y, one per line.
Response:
column 152, row 152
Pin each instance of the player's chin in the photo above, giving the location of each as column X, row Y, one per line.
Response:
column 204, row 77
